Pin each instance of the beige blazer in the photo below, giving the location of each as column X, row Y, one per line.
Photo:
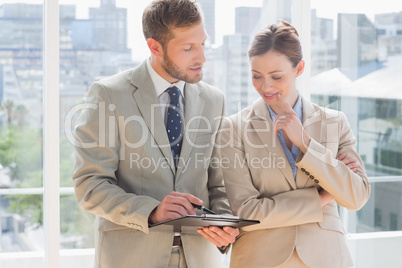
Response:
column 260, row 185
column 124, row 168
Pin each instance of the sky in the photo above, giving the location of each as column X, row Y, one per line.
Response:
column 224, row 24
column 330, row 8
column 225, row 14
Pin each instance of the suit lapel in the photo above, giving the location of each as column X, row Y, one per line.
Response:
column 147, row 102
column 269, row 139
column 312, row 121
column 194, row 105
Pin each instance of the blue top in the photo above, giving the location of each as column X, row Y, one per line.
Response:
column 290, row 155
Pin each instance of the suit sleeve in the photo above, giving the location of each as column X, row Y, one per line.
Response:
column 96, row 162
column 350, row 190
column 288, row 208
column 216, row 186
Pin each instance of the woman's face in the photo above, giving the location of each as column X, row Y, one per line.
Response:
column 273, row 74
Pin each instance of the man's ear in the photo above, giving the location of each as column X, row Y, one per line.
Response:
column 300, row 68
column 155, row 47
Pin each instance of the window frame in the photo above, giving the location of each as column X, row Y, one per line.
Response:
column 51, row 190
column 51, row 150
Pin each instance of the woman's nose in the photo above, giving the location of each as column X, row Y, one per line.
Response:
column 266, row 86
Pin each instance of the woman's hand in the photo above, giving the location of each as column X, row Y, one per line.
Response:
column 325, row 197
column 289, row 122
column 350, row 162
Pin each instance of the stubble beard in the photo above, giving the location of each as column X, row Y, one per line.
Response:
column 173, row 70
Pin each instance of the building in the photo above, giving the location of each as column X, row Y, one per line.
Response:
column 357, row 60
column 372, row 115
column 237, row 74
column 109, row 26
column 235, row 80
column 89, row 49
column 389, row 28
column 208, row 7
column 323, row 44
column 247, row 20
column 274, row 10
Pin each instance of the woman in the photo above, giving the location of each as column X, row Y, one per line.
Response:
column 281, row 166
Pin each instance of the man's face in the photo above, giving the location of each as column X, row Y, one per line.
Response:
column 184, row 56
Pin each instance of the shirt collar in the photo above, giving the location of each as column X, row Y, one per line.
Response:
column 298, row 109
column 161, row 84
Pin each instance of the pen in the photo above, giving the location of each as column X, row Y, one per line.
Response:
column 203, row 208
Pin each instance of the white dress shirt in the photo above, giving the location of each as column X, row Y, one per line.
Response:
column 161, row 85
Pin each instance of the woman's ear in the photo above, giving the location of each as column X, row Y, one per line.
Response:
column 300, row 68
column 155, row 47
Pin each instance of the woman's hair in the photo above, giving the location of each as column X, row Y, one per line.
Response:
column 162, row 16
column 280, row 37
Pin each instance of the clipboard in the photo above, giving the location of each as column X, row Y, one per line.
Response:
column 206, row 220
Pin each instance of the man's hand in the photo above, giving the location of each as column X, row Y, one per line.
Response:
column 173, row 206
column 219, row 236
column 350, row 162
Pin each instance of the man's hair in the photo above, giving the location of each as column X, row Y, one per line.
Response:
column 160, row 17
column 280, row 37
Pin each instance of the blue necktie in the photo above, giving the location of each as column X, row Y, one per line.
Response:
column 174, row 123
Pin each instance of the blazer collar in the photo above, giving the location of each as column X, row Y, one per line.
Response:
column 312, row 120
column 148, row 105
column 193, row 110
column 261, row 121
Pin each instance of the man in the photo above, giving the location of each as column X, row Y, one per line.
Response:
column 146, row 137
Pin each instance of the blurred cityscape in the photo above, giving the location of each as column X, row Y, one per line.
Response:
column 356, row 69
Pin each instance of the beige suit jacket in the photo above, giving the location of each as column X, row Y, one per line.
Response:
column 124, row 168
column 260, row 185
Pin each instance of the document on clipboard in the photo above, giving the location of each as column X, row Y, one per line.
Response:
column 206, row 220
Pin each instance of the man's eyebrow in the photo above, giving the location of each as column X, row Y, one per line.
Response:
column 192, row 43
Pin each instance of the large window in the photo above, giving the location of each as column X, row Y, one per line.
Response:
column 353, row 54
column 21, row 127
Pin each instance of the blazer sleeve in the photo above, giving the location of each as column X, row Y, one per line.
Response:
column 96, row 162
column 350, row 190
column 216, row 186
column 286, row 208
